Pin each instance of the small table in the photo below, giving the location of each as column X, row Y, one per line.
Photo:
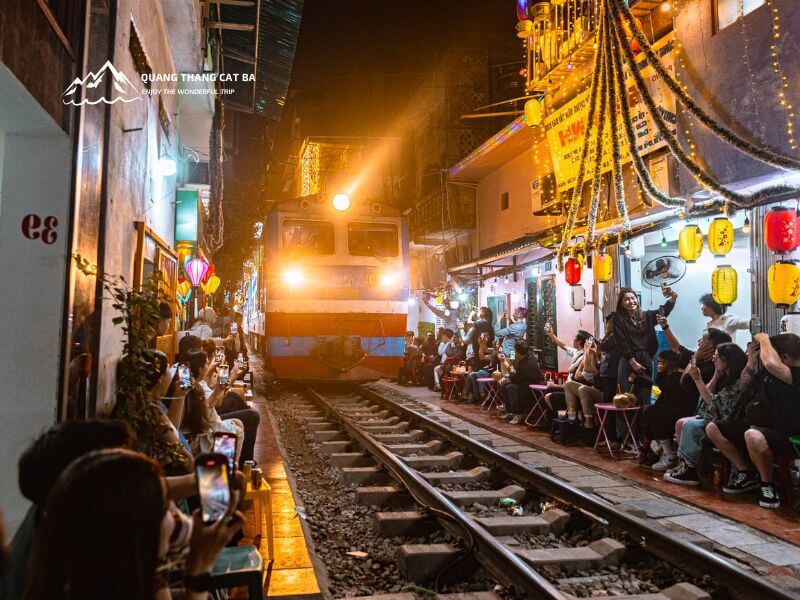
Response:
column 539, row 409
column 262, row 498
column 452, row 384
column 492, row 397
column 603, row 410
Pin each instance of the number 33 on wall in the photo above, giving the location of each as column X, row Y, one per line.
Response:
column 35, row 227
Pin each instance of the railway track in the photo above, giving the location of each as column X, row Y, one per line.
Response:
column 426, row 474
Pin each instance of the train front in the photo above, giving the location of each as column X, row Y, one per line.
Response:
column 337, row 291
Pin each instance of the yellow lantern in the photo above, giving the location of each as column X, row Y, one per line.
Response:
column 183, row 287
column 725, row 285
column 534, row 113
column 210, row 286
column 603, row 267
column 690, row 243
column 783, row 282
column 720, row 236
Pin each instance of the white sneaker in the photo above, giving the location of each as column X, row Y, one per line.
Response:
column 664, row 463
column 516, row 420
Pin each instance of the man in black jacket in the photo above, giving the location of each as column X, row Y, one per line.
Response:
column 516, row 394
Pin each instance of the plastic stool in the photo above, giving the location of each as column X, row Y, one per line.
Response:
column 562, row 430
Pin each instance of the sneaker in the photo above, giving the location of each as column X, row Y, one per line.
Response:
column 516, row 420
column 683, row 474
column 509, row 416
column 648, row 458
column 664, row 463
column 741, row 482
column 769, row 498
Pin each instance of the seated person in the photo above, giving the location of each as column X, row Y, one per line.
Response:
column 517, row 396
column 581, row 393
column 487, row 364
column 429, row 345
column 719, row 400
column 673, row 403
column 411, row 353
column 555, row 398
column 447, row 349
column 771, row 414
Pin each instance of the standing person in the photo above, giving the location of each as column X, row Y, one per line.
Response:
column 771, row 414
column 517, row 396
column 513, row 331
column 606, row 379
column 482, row 325
column 718, row 319
column 635, row 333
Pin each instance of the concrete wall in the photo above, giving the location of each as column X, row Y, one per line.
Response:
column 35, row 160
column 136, row 191
column 716, row 75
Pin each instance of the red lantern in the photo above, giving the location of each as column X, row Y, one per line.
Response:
column 572, row 271
column 780, row 229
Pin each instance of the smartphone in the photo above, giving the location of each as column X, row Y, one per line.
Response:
column 213, row 486
column 664, row 289
column 755, row 325
column 234, row 328
column 219, row 356
column 223, row 371
column 225, row 443
column 512, row 355
column 185, row 376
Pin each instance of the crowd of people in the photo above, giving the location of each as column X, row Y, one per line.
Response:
column 115, row 511
column 746, row 404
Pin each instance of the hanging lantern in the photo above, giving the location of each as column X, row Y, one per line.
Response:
column 725, row 285
column 539, row 11
column 572, row 271
column 783, row 282
column 780, row 230
column 534, row 113
column 196, row 270
column 210, row 286
column 209, row 273
column 637, row 248
column 183, row 287
column 720, row 236
column 577, row 297
column 690, row 243
column 522, row 10
column 603, row 268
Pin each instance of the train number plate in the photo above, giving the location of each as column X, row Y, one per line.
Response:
column 340, row 293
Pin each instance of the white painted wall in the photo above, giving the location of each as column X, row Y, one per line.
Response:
column 34, row 178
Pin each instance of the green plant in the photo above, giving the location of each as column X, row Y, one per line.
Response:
column 139, row 317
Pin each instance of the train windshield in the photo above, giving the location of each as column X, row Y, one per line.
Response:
column 305, row 237
column 372, row 239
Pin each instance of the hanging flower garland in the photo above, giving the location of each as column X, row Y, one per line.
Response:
column 609, row 92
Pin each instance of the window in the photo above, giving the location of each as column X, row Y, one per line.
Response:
column 728, row 11
column 504, row 201
column 313, row 238
column 372, row 239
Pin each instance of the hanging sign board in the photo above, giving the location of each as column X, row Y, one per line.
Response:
column 565, row 128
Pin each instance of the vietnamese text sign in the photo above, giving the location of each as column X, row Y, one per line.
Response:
column 565, row 128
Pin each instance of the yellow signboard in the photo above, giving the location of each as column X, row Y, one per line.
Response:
column 565, row 128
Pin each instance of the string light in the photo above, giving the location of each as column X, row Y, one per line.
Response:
column 783, row 81
column 746, row 228
column 663, row 239
column 665, row 6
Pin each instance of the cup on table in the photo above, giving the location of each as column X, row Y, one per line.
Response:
column 562, row 414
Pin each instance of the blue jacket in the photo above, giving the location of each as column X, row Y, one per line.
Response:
column 510, row 335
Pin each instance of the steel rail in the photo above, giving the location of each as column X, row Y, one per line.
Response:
column 493, row 556
column 741, row 583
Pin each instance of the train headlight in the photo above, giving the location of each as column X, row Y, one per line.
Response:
column 389, row 279
column 294, row 277
column 341, row 202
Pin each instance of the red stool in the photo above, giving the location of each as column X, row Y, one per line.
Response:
column 452, row 384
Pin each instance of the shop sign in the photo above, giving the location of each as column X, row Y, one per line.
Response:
column 565, row 127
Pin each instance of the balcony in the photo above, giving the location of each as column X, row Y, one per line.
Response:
column 435, row 217
column 562, row 37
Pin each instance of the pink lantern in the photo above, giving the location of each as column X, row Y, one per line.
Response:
column 196, row 270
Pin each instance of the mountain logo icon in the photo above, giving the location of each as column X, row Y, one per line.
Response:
column 122, row 88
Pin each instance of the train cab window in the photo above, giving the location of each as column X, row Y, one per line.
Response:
column 372, row 239
column 308, row 237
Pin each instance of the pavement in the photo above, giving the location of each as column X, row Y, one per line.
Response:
column 734, row 526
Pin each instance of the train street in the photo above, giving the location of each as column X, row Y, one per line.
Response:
column 478, row 300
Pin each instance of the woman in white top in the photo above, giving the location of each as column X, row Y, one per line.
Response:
column 718, row 319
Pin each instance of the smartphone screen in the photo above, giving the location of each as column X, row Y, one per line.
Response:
column 185, row 376
column 234, row 328
column 224, row 375
column 225, row 443
column 213, row 486
column 220, row 356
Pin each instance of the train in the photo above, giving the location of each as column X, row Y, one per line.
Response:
column 334, row 285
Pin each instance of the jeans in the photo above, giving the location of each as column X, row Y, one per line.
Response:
column 692, row 435
column 517, row 398
column 471, row 385
column 250, row 420
column 642, row 393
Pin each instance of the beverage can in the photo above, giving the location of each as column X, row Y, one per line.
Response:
column 255, row 478
column 506, row 502
column 248, row 469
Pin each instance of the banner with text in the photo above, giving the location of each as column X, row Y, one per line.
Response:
column 565, row 128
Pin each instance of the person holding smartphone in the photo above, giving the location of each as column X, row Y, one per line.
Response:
column 110, row 512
